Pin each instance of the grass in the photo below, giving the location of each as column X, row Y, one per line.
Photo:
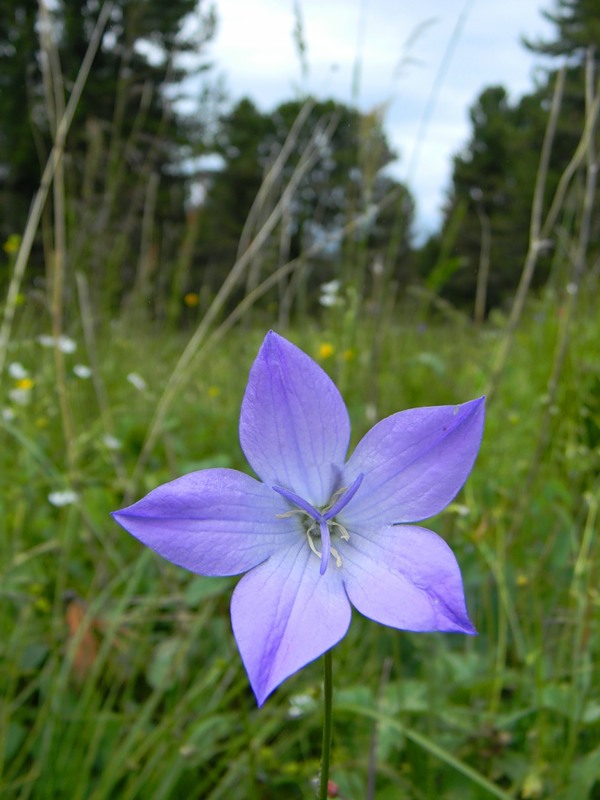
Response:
column 120, row 673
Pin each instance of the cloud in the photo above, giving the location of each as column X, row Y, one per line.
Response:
column 396, row 51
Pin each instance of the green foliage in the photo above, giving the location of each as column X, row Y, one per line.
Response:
column 494, row 177
column 333, row 157
column 20, row 98
column 493, row 184
column 578, row 28
column 232, row 190
column 119, row 672
column 123, row 189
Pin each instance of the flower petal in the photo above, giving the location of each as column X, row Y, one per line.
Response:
column 414, row 463
column 407, row 577
column 294, row 426
column 285, row 614
column 212, row 522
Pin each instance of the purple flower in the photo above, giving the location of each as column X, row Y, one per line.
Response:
column 318, row 534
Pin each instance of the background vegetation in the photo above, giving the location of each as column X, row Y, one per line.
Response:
column 139, row 283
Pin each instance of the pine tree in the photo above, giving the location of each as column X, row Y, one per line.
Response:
column 578, row 29
column 21, row 101
column 350, row 152
column 127, row 139
column 494, row 177
column 493, row 180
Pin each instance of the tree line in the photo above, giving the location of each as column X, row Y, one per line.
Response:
column 149, row 216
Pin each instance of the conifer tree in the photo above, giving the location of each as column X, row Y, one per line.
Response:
column 494, row 177
column 351, row 152
column 127, row 133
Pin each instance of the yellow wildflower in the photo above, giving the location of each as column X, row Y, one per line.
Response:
column 191, row 299
column 12, row 244
column 25, row 384
column 326, row 350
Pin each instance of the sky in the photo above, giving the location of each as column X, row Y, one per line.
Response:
column 421, row 63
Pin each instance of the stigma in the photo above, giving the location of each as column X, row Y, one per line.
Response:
column 321, row 522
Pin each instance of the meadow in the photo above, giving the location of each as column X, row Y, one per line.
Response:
column 119, row 674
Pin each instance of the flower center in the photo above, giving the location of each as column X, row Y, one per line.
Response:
column 322, row 522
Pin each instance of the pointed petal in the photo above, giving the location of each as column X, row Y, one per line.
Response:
column 414, row 463
column 285, row 614
column 213, row 522
column 406, row 577
column 294, row 426
column 344, row 498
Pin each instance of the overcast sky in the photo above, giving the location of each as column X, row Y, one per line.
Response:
column 425, row 61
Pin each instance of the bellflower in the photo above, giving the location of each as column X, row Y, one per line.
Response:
column 318, row 534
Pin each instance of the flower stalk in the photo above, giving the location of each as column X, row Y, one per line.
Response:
column 327, row 726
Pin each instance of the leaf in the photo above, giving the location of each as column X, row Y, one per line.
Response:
column 583, row 778
column 559, row 698
column 409, row 695
column 202, row 588
column 429, row 746
column 15, row 735
column 167, row 666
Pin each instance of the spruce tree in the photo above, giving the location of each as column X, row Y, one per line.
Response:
column 346, row 177
column 127, row 137
column 494, row 177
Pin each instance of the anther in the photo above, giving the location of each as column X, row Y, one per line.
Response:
column 323, row 522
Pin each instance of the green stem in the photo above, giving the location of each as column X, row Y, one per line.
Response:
column 327, row 726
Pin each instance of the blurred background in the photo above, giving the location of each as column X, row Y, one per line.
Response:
column 409, row 193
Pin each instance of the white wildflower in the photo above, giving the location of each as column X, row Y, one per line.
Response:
column 137, row 381
column 331, row 287
column 328, row 300
column 300, row 705
column 329, row 296
column 20, row 397
column 62, row 498
column 64, row 343
column 17, row 371
column 82, row 371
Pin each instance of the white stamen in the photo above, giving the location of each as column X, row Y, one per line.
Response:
column 322, row 523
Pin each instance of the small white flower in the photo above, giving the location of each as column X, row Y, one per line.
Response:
column 111, row 442
column 137, row 381
column 64, row 498
column 328, row 300
column 329, row 294
column 377, row 266
column 17, row 371
column 300, row 705
column 82, row 371
column 460, row 509
column 371, row 412
column 21, row 397
column 64, row 343
column 7, row 414
column 331, row 287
